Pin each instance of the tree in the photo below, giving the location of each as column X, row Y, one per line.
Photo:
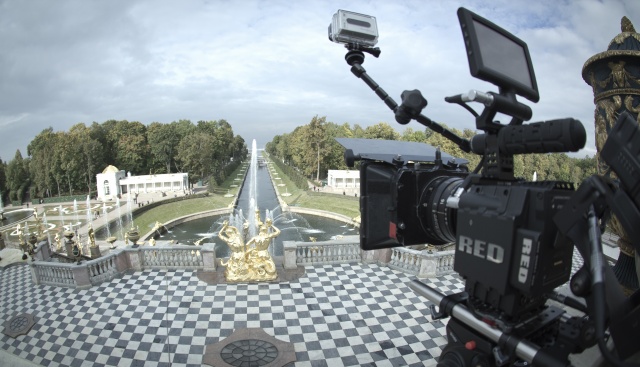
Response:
column 90, row 152
column 40, row 149
column 334, row 157
column 4, row 192
column 17, row 176
column 316, row 139
column 381, row 130
column 413, row 135
column 163, row 143
column 195, row 154
column 127, row 142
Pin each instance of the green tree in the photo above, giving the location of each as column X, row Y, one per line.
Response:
column 413, row 135
column 4, row 192
column 127, row 143
column 163, row 143
column 381, row 130
column 17, row 176
column 90, row 159
column 40, row 149
column 195, row 154
column 316, row 139
column 334, row 158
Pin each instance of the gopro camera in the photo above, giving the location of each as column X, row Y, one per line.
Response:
column 353, row 28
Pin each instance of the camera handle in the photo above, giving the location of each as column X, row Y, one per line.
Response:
column 524, row 349
column 412, row 101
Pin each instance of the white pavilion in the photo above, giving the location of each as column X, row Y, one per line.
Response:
column 113, row 182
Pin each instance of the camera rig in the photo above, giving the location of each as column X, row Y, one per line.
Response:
column 514, row 239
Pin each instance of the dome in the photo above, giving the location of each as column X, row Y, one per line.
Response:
column 111, row 169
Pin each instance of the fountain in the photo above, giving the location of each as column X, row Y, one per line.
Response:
column 120, row 226
column 293, row 226
column 61, row 211
column 75, row 210
column 110, row 239
column 11, row 218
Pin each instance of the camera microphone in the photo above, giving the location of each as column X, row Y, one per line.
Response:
column 555, row 136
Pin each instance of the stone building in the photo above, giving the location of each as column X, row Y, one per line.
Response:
column 113, row 182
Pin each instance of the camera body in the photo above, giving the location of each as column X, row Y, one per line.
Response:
column 508, row 249
column 353, row 28
column 406, row 205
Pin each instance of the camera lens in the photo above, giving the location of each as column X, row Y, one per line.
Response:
column 437, row 220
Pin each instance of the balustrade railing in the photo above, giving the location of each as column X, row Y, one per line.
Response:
column 346, row 250
column 54, row 274
column 93, row 272
column 422, row 263
column 175, row 257
column 102, row 269
column 327, row 253
column 405, row 259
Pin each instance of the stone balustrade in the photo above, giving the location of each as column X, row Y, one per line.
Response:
column 59, row 274
column 422, row 263
column 174, row 257
column 331, row 252
column 105, row 268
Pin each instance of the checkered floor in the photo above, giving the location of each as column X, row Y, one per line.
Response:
column 334, row 315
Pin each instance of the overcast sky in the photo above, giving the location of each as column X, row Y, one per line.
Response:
column 267, row 66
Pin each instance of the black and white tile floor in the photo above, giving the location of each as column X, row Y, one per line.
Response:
column 334, row 315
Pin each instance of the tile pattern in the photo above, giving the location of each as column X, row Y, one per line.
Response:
column 334, row 315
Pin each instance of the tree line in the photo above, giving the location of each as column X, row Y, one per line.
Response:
column 312, row 150
column 66, row 162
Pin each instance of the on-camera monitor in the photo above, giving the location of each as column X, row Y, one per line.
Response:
column 498, row 56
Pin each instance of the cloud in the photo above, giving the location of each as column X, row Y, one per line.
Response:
column 267, row 66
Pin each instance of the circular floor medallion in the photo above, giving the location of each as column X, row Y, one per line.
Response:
column 249, row 352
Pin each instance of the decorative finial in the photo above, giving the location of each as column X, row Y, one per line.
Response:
column 626, row 25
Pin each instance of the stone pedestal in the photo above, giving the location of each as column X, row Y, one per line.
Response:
column 208, row 257
column 289, row 254
column 43, row 251
column 95, row 252
column 69, row 248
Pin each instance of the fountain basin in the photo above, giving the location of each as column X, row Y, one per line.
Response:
column 293, row 227
column 14, row 217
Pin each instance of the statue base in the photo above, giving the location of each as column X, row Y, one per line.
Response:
column 95, row 252
column 69, row 248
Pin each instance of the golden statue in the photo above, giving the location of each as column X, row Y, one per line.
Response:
column 58, row 242
column 236, row 267
column 259, row 258
column 251, row 261
column 92, row 237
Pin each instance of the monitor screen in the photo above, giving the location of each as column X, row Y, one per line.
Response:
column 498, row 56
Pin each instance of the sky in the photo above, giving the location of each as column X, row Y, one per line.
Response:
column 267, row 66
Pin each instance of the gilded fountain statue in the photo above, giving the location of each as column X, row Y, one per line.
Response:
column 250, row 260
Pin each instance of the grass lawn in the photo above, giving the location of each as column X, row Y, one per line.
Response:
column 345, row 205
column 166, row 212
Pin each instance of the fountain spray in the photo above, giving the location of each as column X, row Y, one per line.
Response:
column 77, row 217
column 104, row 213
column 120, row 219
column 61, row 215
